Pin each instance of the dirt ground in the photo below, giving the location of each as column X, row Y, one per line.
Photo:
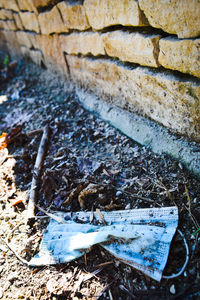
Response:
column 82, row 150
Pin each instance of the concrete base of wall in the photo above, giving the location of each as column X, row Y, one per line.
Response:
column 144, row 131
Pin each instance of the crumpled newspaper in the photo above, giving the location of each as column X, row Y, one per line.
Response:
column 140, row 238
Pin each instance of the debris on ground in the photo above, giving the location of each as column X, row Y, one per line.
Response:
column 90, row 168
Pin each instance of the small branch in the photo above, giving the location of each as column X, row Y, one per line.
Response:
column 35, row 132
column 6, row 241
column 36, row 173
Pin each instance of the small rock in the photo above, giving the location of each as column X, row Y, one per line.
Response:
column 172, row 289
column 128, row 206
column 30, row 100
column 118, row 193
column 117, row 263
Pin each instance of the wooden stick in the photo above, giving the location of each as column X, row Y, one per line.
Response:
column 35, row 132
column 36, row 173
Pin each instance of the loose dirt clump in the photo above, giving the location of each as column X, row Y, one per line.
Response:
column 88, row 165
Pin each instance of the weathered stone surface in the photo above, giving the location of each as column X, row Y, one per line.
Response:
column 12, row 44
column 23, row 39
column 54, row 58
column 144, row 131
column 42, row 3
column 73, row 15
column 83, row 43
column 133, row 47
column 25, row 51
column 9, row 25
column 104, row 13
column 26, row 5
column 1, row 24
column 180, row 55
column 6, row 14
column 34, row 55
column 30, row 21
column 18, row 21
column 9, row 4
column 51, row 22
column 174, row 16
column 165, row 98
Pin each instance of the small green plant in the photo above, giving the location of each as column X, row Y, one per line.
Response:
column 6, row 61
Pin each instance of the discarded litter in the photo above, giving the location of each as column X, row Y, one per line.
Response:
column 140, row 238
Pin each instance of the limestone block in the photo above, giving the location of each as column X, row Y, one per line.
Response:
column 180, row 55
column 10, row 25
column 9, row 4
column 36, row 57
column 18, row 21
column 83, row 43
column 73, row 15
column 104, row 13
column 6, row 14
column 23, row 39
column 170, row 100
column 30, row 21
column 3, row 40
column 42, row 3
column 26, row 5
column 174, row 16
column 52, row 52
column 137, row 48
column 51, row 22
column 25, row 51
column 1, row 24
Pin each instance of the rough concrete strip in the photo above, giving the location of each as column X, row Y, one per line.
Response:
column 145, row 132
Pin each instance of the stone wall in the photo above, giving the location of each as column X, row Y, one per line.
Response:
column 142, row 55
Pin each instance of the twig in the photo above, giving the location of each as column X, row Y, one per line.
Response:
column 36, row 173
column 127, row 291
column 192, row 217
column 104, row 264
column 6, row 241
column 188, row 197
column 50, row 215
column 110, row 294
column 34, row 132
column 189, row 208
column 103, row 290
column 101, row 216
column 186, row 259
column 166, row 189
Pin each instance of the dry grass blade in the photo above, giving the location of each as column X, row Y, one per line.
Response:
column 101, row 216
column 50, row 215
column 189, row 208
column 188, row 198
column 127, row 291
column 11, row 247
